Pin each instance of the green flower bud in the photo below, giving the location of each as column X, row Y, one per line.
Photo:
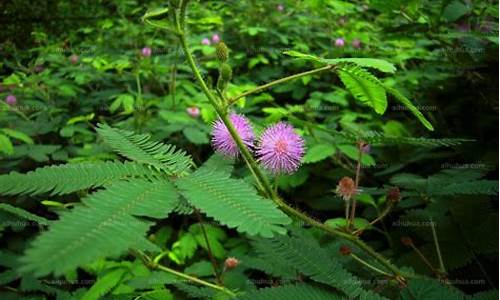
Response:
column 222, row 52
column 226, row 72
column 225, row 75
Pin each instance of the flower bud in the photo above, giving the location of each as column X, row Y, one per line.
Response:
column 393, row 195
column 225, row 75
column 222, row 52
column 73, row 59
column 339, row 42
column 346, row 188
column 345, row 250
column 146, row 52
column 407, row 241
column 11, row 100
column 215, row 38
column 231, row 263
column 205, row 41
column 193, row 111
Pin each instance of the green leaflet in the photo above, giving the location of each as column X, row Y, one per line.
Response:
column 303, row 253
column 69, row 178
column 139, row 148
column 104, row 284
column 23, row 214
column 105, row 226
column 291, row 292
column 364, row 87
column 233, row 202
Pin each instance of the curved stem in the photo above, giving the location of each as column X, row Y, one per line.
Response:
column 366, row 264
column 194, row 279
column 279, row 81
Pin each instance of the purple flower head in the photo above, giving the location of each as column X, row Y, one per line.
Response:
column 356, row 43
column 280, row 7
column 146, row 52
column 193, row 111
column 222, row 140
column 280, row 149
column 215, row 38
column 205, row 42
column 11, row 100
column 339, row 42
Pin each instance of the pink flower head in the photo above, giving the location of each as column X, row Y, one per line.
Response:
column 280, row 7
column 193, row 111
column 73, row 59
column 339, row 42
column 215, row 38
column 281, row 149
column 11, row 100
column 146, row 52
column 356, row 43
column 205, row 42
column 222, row 140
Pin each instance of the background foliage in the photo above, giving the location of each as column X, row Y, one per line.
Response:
column 67, row 231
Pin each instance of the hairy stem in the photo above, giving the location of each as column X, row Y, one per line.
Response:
column 366, row 264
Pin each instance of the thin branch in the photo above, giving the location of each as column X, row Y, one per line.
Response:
column 209, row 249
column 279, row 81
column 356, row 183
column 438, row 250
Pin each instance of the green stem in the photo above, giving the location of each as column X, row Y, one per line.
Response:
column 194, row 279
column 380, row 217
column 438, row 250
column 279, row 81
column 366, row 264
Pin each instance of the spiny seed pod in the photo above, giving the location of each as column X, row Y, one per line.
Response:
column 231, row 263
column 345, row 250
column 393, row 195
column 222, row 52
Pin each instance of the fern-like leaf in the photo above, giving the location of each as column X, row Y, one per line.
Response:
column 291, row 292
column 23, row 214
column 69, row 178
column 303, row 253
column 232, row 202
column 83, row 234
column 104, row 284
column 364, row 86
column 138, row 147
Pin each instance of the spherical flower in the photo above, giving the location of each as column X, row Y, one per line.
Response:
column 231, row 263
column 215, row 38
column 205, row 41
column 340, row 42
column 356, row 43
column 74, row 59
column 11, row 100
column 222, row 140
column 346, row 188
column 193, row 111
column 281, row 149
column 280, row 7
column 146, row 52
